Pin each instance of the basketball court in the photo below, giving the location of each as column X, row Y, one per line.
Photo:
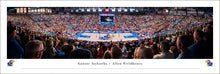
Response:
column 102, row 37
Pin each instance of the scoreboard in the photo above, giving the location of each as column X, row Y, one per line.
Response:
column 106, row 18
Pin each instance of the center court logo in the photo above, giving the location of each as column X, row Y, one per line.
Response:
column 209, row 63
column 10, row 63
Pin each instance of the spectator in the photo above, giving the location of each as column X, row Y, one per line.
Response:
column 50, row 51
column 56, row 42
column 182, row 44
column 107, row 55
column 94, row 50
column 124, row 51
column 143, row 53
column 60, row 54
column 81, row 54
column 172, row 43
column 129, row 55
column 67, row 49
column 155, row 49
column 14, row 49
column 175, row 51
column 34, row 49
column 104, row 48
column 209, row 39
column 199, row 47
column 116, row 53
column 165, row 54
column 100, row 52
column 25, row 39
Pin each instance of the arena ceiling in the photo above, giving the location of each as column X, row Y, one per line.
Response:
column 116, row 9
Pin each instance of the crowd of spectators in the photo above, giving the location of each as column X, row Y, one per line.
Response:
column 70, row 25
column 189, row 38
